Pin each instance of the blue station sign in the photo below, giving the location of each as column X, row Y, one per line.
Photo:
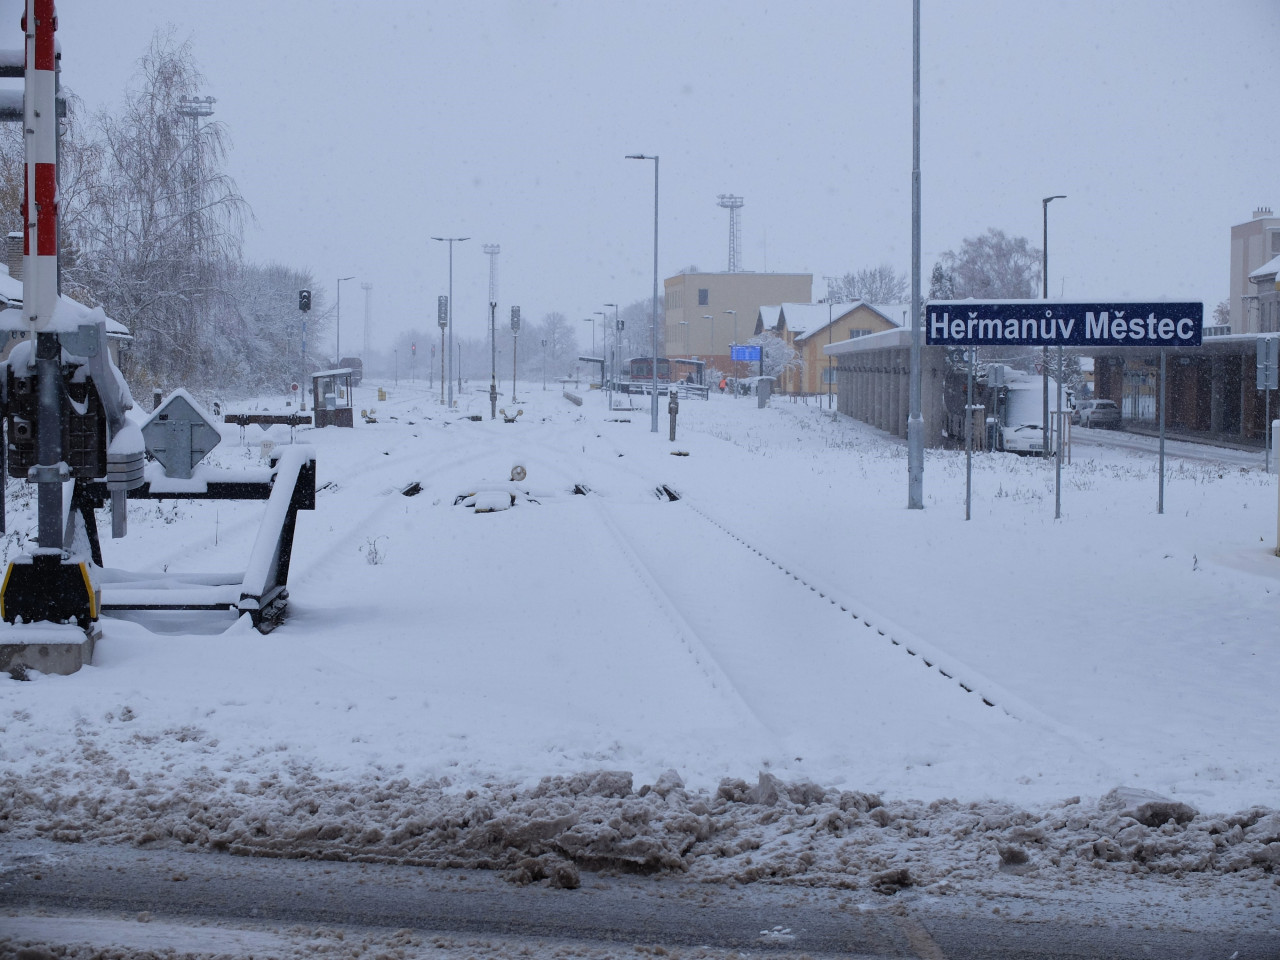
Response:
column 739, row 352
column 1051, row 323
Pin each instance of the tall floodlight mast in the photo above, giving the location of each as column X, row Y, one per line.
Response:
column 492, row 249
column 733, row 204
column 192, row 109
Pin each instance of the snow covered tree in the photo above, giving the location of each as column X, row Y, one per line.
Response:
column 992, row 266
column 941, row 284
column 163, row 225
column 263, row 349
column 780, row 357
column 880, row 284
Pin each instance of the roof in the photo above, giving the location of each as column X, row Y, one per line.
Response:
column 11, row 299
column 1268, row 269
column 808, row 319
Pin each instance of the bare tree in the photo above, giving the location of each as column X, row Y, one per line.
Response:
column 562, row 342
column 880, row 284
column 636, row 337
column 993, row 266
column 162, row 228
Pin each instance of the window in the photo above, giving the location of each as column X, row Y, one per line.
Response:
column 703, row 296
column 854, row 333
column 1275, row 242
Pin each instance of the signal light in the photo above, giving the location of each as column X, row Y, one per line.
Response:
column 304, row 300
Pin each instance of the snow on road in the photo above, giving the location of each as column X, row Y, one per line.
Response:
column 783, row 673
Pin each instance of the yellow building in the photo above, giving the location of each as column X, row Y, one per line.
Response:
column 808, row 327
column 706, row 312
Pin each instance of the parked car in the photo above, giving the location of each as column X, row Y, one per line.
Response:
column 1096, row 413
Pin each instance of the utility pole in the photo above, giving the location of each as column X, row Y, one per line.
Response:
column 492, row 250
column 915, row 419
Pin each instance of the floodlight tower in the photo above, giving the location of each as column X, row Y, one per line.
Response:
column 191, row 109
column 368, row 294
column 733, row 204
column 492, row 249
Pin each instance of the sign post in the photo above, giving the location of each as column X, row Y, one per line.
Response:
column 1268, row 380
column 1048, row 323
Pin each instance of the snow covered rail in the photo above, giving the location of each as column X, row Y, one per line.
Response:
column 912, row 647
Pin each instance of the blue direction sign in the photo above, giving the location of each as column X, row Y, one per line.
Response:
column 740, row 352
column 1051, row 323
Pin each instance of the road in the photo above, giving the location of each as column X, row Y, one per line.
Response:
column 112, row 896
column 1086, row 437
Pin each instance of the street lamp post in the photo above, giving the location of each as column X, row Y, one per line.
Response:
column 915, row 414
column 1044, row 271
column 1044, row 358
column 592, row 321
column 831, row 297
column 613, row 359
column 653, row 318
column 544, row 364
column 337, row 334
column 733, row 364
column 604, row 353
column 449, row 319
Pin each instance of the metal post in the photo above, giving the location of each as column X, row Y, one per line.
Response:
column 915, row 421
column 733, row 364
column 1058, row 453
column 337, row 334
column 653, row 317
column 1160, row 500
column 515, row 333
column 1044, row 351
column 493, row 359
column 544, row 364
column 451, row 241
column 968, row 436
column 303, row 358
column 442, row 318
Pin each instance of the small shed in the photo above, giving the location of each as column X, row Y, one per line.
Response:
column 331, row 397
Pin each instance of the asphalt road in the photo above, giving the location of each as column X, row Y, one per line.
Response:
column 48, row 891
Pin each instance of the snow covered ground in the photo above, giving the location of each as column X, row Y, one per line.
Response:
column 783, row 675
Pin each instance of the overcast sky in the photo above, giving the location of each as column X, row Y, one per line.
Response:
column 361, row 129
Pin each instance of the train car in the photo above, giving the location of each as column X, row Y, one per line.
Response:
column 641, row 368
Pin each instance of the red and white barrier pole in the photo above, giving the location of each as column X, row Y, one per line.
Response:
column 40, row 199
